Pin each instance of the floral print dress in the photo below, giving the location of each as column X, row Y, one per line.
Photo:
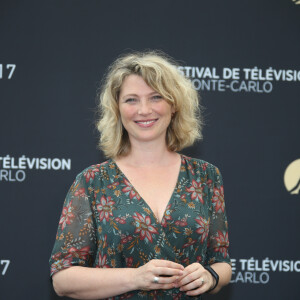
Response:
column 106, row 224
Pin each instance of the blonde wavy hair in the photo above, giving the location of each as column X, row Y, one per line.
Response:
column 160, row 72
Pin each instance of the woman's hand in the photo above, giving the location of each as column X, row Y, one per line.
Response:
column 157, row 274
column 195, row 280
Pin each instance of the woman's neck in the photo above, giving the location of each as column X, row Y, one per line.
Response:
column 148, row 155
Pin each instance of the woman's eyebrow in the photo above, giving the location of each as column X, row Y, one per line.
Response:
column 136, row 95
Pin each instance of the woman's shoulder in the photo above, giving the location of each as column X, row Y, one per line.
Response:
column 198, row 163
column 95, row 170
column 200, row 169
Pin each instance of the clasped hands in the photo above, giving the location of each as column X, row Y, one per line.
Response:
column 163, row 274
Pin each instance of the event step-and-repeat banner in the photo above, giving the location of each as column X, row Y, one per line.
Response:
column 242, row 57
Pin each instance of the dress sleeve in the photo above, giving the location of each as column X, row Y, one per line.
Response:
column 218, row 243
column 75, row 242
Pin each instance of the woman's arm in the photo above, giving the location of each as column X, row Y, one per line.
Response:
column 224, row 271
column 94, row 283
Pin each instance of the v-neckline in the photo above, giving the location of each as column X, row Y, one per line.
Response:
column 144, row 201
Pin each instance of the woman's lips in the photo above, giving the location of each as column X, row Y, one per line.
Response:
column 146, row 123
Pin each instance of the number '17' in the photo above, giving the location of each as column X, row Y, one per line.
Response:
column 10, row 67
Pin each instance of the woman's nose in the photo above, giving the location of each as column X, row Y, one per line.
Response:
column 144, row 108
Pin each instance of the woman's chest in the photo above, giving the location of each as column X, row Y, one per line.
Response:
column 122, row 214
column 154, row 186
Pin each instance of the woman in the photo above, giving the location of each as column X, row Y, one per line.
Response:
column 148, row 222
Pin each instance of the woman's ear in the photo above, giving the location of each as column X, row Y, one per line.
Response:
column 173, row 110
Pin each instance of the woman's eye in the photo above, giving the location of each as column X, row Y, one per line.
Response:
column 130, row 100
column 156, row 97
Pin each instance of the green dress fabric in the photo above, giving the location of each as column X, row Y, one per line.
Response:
column 106, row 224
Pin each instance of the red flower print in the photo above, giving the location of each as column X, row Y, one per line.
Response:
column 199, row 258
column 129, row 189
column 121, row 220
column 56, row 256
column 183, row 196
column 181, row 222
column 163, row 222
column 204, row 166
column 202, row 228
column 209, row 183
column 61, row 264
column 102, row 261
column 190, row 167
column 80, row 192
column 129, row 261
column 105, row 208
column 186, row 261
column 218, row 199
column 144, row 227
column 90, row 173
column 196, row 191
column 184, row 157
column 66, row 216
column 113, row 185
column 79, row 253
column 222, row 243
column 126, row 239
column 190, row 242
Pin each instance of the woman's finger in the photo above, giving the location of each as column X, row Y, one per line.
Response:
column 164, row 279
column 166, row 263
column 190, row 277
column 192, row 268
column 168, row 271
column 195, row 284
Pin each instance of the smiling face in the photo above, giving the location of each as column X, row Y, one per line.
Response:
column 145, row 114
